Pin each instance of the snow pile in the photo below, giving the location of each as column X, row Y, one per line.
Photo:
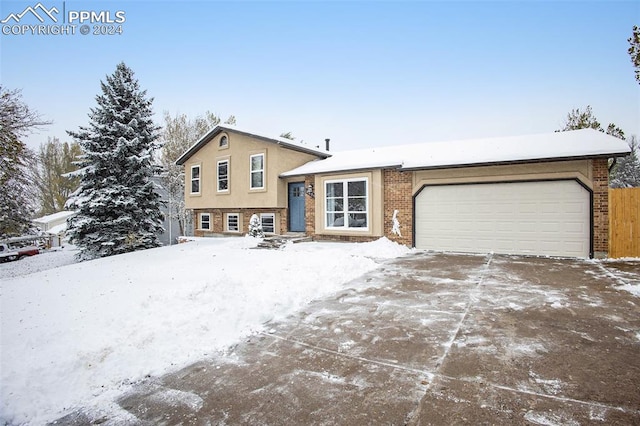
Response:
column 631, row 288
column 627, row 280
column 81, row 333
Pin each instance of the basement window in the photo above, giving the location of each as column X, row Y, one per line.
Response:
column 205, row 221
column 233, row 222
column 268, row 221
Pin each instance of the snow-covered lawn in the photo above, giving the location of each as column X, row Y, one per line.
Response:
column 81, row 333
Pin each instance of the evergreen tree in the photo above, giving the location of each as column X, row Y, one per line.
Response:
column 577, row 119
column 626, row 172
column 255, row 227
column 119, row 208
column 621, row 175
column 287, row 135
column 634, row 50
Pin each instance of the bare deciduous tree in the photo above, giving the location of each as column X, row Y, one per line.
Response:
column 178, row 134
column 56, row 159
column 17, row 162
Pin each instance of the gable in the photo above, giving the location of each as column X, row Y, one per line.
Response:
column 236, row 170
column 220, row 129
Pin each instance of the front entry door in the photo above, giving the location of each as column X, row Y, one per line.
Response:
column 296, row 207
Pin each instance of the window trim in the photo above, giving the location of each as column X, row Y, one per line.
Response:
column 227, row 227
column 225, row 138
column 273, row 216
column 198, row 179
column 224, row 191
column 200, row 221
column 263, row 171
column 345, row 197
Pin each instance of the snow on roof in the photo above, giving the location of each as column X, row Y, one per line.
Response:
column 55, row 216
column 297, row 146
column 548, row 146
column 58, row 229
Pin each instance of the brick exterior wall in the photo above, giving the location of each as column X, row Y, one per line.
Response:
column 309, row 208
column 600, row 207
column 218, row 225
column 397, row 196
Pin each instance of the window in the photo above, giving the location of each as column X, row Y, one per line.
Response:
column 195, row 179
column 346, row 204
column 257, row 171
column 224, row 141
column 205, row 221
column 268, row 221
column 233, row 222
column 223, row 176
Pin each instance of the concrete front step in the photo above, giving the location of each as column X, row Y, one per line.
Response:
column 277, row 241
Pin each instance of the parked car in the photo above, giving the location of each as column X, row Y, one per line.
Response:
column 8, row 253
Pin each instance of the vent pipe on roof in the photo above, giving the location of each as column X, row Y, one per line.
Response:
column 326, row 142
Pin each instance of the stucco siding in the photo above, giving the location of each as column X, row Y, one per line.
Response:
column 375, row 204
column 239, row 194
column 579, row 169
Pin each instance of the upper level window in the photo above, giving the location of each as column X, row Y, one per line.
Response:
column 257, row 171
column 195, row 179
column 223, row 176
column 346, row 204
column 224, row 141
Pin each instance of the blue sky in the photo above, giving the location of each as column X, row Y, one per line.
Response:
column 361, row 73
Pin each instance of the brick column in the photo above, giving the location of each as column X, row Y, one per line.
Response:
column 309, row 207
column 217, row 220
column 284, row 220
column 397, row 196
column 600, row 207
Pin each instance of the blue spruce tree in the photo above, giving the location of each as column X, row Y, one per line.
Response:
column 119, row 208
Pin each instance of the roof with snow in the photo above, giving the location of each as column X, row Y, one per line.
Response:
column 287, row 143
column 584, row 143
column 55, row 216
column 58, row 229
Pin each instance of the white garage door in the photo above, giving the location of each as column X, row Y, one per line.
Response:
column 541, row 218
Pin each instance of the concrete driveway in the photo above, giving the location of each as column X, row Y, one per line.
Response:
column 427, row 339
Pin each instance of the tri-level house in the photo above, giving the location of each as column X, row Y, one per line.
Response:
column 544, row 194
column 232, row 174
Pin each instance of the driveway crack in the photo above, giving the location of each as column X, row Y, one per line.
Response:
column 414, row 416
column 470, row 304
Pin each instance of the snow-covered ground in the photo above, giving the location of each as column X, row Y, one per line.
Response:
column 78, row 334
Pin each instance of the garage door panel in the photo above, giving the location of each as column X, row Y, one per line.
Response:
column 544, row 218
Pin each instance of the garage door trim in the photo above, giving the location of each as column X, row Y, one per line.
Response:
column 582, row 184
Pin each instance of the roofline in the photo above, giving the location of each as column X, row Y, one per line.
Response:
column 459, row 166
column 220, row 128
column 507, row 163
column 357, row 169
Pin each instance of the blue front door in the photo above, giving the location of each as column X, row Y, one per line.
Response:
column 296, row 207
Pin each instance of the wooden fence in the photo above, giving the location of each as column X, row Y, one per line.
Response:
column 624, row 222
